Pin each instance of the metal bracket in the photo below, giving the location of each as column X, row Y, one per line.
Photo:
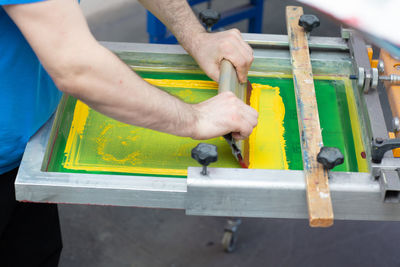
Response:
column 390, row 186
column 282, row 194
column 359, row 53
column 245, row 193
column 368, row 78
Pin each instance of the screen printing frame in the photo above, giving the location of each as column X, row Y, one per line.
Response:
column 224, row 192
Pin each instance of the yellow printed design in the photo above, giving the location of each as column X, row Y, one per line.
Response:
column 98, row 143
column 267, row 145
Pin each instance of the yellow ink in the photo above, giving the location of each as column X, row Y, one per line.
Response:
column 124, row 154
column 190, row 84
column 124, row 160
column 355, row 127
column 115, row 148
column 352, row 106
column 187, row 95
column 75, row 134
column 266, row 143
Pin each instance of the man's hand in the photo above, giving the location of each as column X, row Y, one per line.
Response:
column 208, row 49
column 223, row 114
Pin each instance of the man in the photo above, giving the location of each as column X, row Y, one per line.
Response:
column 55, row 33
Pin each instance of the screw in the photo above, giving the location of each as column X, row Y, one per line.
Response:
column 209, row 17
column 205, row 154
column 204, row 170
column 376, row 172
column 381, row 66
column 396, row 124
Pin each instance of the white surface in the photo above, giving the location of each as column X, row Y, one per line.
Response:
column 379, row 18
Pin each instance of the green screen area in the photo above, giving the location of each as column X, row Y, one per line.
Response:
column 332, row 106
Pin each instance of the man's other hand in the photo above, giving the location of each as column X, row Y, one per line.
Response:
column 209, row 49
column 223, row 114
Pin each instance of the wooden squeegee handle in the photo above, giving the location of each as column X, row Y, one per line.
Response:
column 228, row 80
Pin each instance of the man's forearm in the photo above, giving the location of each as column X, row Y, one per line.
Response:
column 179, row 19
column 106, row 84
column 80, row 66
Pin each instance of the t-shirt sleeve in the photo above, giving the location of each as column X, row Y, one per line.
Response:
column 13, row 2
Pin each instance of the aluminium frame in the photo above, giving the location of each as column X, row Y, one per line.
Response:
column 225, row 192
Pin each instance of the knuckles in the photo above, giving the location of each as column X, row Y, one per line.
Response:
column 235, row 32
column 228, row 96
column 226, row 47
column 251, row 58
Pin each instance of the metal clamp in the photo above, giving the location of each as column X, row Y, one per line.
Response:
column 380, row 146
column 373, row 78
column 362, row 65
column 367, row 80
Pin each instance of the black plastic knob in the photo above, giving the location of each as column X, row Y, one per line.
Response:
column 380, row 146
column 309, row 22
column 205, row 154
column 330, row 157
column 209, row 17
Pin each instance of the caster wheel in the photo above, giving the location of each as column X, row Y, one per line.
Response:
column 229, row 241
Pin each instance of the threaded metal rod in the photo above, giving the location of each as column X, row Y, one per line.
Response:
column 392, row 78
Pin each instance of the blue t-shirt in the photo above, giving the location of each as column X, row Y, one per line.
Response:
column 28, row 96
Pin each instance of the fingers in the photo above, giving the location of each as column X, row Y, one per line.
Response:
column 211, row 48
column 245, row 131
column 253, row 114
column 238, row 136
column 244, row 118
column 236, row 33
column 222, row 114
column 248, row 123
column 213, row 72
column 238, row 52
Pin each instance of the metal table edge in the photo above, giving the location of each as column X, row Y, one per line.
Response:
column 270, row 40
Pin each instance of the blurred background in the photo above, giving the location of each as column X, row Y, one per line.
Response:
column 119, row 236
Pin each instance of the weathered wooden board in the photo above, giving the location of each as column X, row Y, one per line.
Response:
column 318, row 194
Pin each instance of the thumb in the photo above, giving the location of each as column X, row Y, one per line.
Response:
column 237, row 136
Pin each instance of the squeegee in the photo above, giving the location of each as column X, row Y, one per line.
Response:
column 229, row 82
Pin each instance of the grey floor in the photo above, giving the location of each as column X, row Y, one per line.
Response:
column 116, row 236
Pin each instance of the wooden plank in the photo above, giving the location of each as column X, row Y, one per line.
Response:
column 318, row 194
